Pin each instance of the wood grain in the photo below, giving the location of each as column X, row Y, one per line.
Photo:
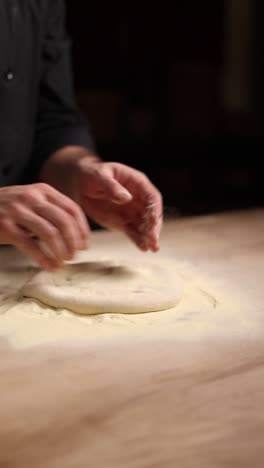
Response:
column 159, row 407
column 156, row 403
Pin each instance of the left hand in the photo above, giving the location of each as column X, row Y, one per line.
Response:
column 117, row 196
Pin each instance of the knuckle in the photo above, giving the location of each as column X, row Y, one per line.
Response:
column 15, row 208
column 116, row 166
column 145, row 176
column 145, row 179
column 75, row 209
column 51, row 234
column 71, row 205
column 43, row 187
column 29, row 195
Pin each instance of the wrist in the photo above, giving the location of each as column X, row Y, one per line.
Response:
column 69, row 156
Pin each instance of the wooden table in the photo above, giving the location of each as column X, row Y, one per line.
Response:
column 190, row 398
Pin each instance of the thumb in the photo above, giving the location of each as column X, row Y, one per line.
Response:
column 112, row 190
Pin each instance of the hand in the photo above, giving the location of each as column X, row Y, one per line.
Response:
column 119, row 197
column 38, row 210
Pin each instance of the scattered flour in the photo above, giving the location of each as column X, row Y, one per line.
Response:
column 209, row 308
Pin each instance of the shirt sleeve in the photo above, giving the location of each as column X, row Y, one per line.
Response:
column 59, row 121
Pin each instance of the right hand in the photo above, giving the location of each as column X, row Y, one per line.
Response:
column 39, row 211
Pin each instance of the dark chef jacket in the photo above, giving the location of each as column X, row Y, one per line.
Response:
column 38, row 114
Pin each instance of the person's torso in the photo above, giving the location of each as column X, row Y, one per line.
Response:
column 21, row 35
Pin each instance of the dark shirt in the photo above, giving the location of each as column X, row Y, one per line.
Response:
column 38, row 113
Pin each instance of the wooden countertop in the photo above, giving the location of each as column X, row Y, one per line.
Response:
column 190, row 398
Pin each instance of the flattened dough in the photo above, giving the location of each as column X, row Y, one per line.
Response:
column 108, row 286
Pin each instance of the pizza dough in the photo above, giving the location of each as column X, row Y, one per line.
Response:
column 108, row 286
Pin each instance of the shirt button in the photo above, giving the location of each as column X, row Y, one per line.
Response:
column 15, row 10
column 9, row 75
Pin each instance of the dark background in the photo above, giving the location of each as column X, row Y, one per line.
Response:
column 176, row 91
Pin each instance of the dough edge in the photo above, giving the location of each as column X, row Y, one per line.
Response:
column 68, row 298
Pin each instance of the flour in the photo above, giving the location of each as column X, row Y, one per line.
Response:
column 208, row 308
column 113, row 285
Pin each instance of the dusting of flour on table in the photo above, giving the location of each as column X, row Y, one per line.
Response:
column 113, row 285
column 207, row 308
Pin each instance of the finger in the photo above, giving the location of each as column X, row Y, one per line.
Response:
column 44, row 230
column 28, row 246
column 45, row 192
column 65, row 224
column 107, row 187
column 137, row 237
column 75, row 211
column 153, row 234
column 154, row 239
column 147, row 194
column 150, row 228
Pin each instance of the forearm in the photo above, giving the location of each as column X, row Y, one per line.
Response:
column 61, row 169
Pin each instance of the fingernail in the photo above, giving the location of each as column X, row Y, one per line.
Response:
column 124, row 195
